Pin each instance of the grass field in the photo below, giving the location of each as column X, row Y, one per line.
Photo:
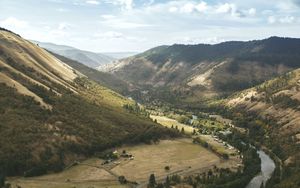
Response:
column 168, row 122
column 181, row 155
column 84, row 175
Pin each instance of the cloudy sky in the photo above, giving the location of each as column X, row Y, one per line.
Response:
column 137, row 25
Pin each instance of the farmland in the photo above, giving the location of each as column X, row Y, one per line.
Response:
column 180, row 155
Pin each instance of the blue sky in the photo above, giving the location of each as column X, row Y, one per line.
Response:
column 137, row 25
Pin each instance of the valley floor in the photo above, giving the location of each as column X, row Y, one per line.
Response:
column 181, row 155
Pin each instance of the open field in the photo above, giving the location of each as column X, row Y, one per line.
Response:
column 181, row 155
column 168, row 122
column 87, row 174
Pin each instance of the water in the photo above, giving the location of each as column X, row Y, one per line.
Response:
column 267, row 168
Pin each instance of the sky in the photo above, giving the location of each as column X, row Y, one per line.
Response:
column 138, row 25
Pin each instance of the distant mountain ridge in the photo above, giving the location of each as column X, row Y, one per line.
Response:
column 120, row 55
column 90, row 59
column 205, row 70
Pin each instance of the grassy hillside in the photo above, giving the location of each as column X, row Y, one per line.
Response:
column 52, row 115
column 273, row 115
column 198, row 72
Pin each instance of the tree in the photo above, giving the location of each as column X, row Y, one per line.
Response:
column 167, row 184
column 152, row 181
column 2, row 180
column 194, row 131
column 182, row 130
column 122, row 180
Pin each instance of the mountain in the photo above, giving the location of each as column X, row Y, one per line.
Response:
column 106, row 79
column 277, row 99
column 120, row 55
column 90, row 59
column 277, row 103
column 52, row 115
column 197, row 72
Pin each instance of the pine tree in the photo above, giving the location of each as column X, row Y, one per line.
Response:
column 167, row 184
column 152, row 181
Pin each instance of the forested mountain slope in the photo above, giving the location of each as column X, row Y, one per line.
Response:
column 201, row 71
column 52, row 115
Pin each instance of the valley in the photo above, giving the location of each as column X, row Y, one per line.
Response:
column 222, row 115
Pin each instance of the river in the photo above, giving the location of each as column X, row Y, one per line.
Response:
column 267, row 168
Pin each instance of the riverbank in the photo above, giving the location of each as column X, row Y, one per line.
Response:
column 267, row 169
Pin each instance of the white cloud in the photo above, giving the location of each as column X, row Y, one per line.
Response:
column 125, row 4
column 282, row 20
column 252, row 11
column 229, row 8
column 109, row 35
column 287, row 19
column 225, row 8
column 13, row 22
column 202, row 6
column 271, row 19
column 187, row 8
column 92, row 2
column 287, row 5
column 173, row 9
